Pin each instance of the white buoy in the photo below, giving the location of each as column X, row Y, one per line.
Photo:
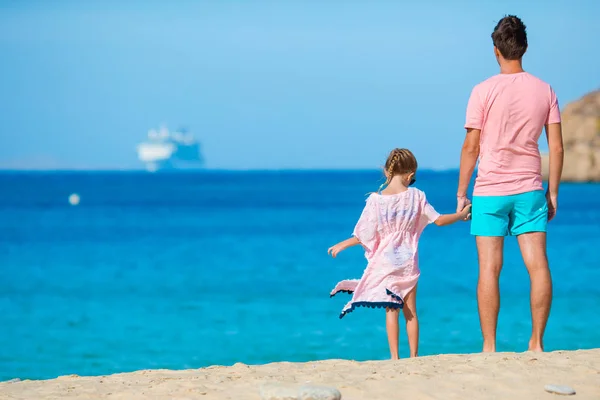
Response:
column 74, row 199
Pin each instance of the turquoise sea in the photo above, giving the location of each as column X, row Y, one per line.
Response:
column 184, row 270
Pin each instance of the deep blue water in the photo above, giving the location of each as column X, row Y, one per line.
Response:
column 192, row 269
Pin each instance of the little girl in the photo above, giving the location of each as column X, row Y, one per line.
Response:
column 389, row 230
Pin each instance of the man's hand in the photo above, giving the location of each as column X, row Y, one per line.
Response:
column 468, row 160
column 461, row 203
column 552, row 201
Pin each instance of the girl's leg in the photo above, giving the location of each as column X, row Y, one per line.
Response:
column 391, row 324
column 412, row 322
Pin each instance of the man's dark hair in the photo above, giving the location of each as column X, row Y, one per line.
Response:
column 510, row 37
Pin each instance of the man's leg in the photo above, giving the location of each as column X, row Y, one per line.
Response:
column 533, row 250
column 490, row 222
column 529, row 219
column 489, row 249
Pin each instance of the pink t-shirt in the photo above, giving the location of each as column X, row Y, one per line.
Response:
column 511, row 111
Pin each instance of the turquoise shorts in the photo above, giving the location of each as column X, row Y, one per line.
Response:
column 509, row 215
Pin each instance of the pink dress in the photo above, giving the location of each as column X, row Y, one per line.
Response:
column 389, row 229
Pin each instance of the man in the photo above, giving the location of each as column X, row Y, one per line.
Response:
column 505, row 117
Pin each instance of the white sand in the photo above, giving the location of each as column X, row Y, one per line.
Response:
column 497, row 376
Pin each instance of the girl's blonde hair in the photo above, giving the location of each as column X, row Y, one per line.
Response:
column 399, row 162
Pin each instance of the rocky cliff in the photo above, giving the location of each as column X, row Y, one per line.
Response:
column 581, row 137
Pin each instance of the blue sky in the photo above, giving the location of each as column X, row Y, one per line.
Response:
column 266, row 85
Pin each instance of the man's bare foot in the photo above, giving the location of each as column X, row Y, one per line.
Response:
column 489, row 348
column 535, row 347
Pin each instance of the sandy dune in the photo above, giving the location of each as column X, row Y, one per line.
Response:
column 497, row 376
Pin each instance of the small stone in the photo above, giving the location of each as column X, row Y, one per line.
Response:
column 309, row 392
column 560, row 389
column 273, row 391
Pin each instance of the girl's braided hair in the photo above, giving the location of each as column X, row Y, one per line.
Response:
column 399, row 162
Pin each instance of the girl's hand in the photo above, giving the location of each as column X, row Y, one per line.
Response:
column 334, row 250
column 465, row 213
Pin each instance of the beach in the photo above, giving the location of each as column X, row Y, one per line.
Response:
column 149, row 269
column 169, row 196
column 512, row 376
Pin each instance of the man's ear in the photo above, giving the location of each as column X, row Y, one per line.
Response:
column 496, row 52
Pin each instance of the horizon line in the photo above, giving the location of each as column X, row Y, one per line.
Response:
column 202, row 170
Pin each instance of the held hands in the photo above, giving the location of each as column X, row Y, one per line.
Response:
column 463, row 207
column 465, row 213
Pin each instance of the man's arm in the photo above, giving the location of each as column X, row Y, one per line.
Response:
column 555, row 167
column 468, row 160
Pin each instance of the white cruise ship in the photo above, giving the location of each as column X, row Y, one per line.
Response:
column 170, row 150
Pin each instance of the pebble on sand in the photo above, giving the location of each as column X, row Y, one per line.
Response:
column 560, row 389
column 273, row 391
column 309, row 392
